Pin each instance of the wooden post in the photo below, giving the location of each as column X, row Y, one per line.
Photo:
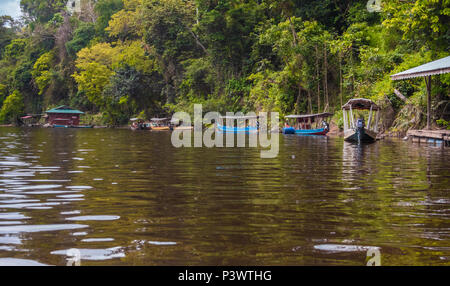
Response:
column 378, row 119
column 352, row 118
column 344, row 115
column 428, row 82
column 370, row 118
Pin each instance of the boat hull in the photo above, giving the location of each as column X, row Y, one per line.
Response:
column 184, row 128
column 164, row 128
column 226, row 129
column 368, row 136
column 290, row 130
column 69, row 126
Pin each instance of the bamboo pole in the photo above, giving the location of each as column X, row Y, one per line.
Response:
column 352, row 118
column 428, row 83
column 344, row 114
column 378, row 119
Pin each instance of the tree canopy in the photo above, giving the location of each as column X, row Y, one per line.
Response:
column 122, row 58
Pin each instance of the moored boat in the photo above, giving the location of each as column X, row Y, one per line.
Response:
column 139, row 124
column 308, row 124
column 238, row 124
column 72, row 126
column 355, row 127
column 160, row 124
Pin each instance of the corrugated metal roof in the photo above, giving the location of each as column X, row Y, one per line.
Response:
column 440, row 66
column 64, row 109
column 240, row 117
column 325, row 114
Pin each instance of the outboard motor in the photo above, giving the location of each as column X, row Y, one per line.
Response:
column 360, row 125
column 326, row 126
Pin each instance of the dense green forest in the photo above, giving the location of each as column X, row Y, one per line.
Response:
column 118, row 59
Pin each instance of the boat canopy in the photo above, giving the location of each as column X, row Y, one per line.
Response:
column 305, row 116
column 360, row 103
column 137, row 119
column 159, row 119
column 240, row 117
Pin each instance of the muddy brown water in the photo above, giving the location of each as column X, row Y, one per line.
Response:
column 130, row 198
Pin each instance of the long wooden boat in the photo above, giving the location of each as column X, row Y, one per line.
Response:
column 160, row 124
column 308, row 124
column 238, row 124
column 72, row 126
column 161, row 128
column 184, row 128
column 356, row 129
column 228, row 129
column 139, row 124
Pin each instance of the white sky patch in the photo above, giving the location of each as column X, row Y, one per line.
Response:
column 10, row 8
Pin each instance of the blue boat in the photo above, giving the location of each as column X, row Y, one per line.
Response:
column 302, row 124
column 239, row 124
column 71, row 126
column 226, row 129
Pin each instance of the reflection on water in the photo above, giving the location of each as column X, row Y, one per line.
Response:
column 130, row 198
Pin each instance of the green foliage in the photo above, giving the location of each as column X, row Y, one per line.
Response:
column 42, row 73
column 6, row 32
column 108, row 74
column 128, row 57
column 3, row 93
column 81, row 38
column 15, row 49
column 424, row 21
column 12, row 108
column 443, row 123
column 125, row 23
column 105, row 9
column 42, row 10
column 22, row 76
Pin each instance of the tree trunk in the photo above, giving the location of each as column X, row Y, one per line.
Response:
column 310, row 110
column 294, row 34
column 318, row 79
column 198, row 42
column 325, row 78
column 399, row 95
column 297, row 104
column 340, row 79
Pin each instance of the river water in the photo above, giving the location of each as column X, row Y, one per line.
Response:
column 130, row 198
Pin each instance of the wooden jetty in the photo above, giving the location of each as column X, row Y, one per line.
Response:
column 430, row 136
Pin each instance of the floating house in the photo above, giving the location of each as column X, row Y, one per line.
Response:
column 63, row 116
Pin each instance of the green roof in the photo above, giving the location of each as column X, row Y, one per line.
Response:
column 64, row 109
